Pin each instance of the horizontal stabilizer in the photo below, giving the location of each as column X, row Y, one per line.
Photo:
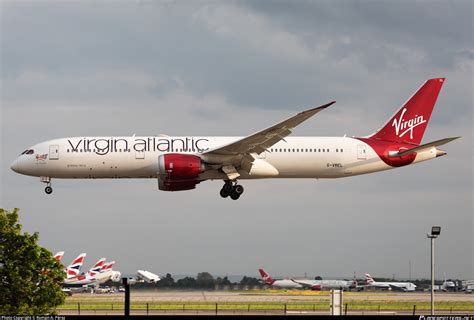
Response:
column 425, row 146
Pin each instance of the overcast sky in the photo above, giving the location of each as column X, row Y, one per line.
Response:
column 109, row 68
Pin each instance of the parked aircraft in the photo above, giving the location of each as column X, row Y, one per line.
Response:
column 147, row 276
column 180, row 163
column 89, row 277
column 327, row 284
column 307, row 283
column 74, row 268
column 280, row 283
column 100, row 273
column 401, row 286
column 58, row 256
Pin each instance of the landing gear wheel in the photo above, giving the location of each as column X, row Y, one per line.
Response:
column 48, row 190
column 234, row 195
column 227, row 187
column 238, row 189
column 232, row 189
column 224, row 193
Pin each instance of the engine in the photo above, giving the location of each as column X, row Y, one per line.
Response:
column 179, row 171
column 116, row 276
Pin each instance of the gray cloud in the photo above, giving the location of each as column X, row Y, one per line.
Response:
column 118, row 68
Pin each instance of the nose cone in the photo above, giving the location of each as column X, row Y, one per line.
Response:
column 14, row 166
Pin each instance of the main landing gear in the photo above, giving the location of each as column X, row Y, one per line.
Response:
column 48, row 188
column 234, row 191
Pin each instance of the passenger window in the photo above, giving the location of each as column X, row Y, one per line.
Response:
column 341, row 150
column 319, row 150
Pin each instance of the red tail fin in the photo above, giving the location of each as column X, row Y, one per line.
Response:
column 266, row 277
column 409, row 123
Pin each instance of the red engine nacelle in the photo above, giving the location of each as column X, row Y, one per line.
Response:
column 316, row 287
column 179, row 171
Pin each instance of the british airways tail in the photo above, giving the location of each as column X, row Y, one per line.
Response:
column 409, row 123
column 368, row 279
column 58, row 256
column 96, row 268
column 107, row 266
column 74, row 268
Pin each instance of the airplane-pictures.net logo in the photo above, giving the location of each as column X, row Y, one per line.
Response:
column 403, row 126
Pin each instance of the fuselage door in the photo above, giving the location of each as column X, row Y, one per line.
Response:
column 54, row 152
column 361, row 155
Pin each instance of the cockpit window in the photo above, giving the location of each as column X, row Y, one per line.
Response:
column 30, row 151
column 24, row 152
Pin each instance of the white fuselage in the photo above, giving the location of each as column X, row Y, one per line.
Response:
column 404, row 286
column 137, row 157
column 286, row 284
column 327, row 284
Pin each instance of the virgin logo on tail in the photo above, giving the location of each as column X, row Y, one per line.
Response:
column 266, row 277
column 408, row 126
column 414, row 113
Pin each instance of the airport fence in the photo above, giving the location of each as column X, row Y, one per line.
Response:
column 153, row 308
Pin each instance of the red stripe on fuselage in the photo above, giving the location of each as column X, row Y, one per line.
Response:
column 382, row 149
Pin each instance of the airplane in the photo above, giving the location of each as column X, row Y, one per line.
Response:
column 401, row 286
column 107, row 273
column 58, row 256
column 280, row 283
column 147, row 276
column 100, row 273
column 307, row 283
column 87, row 278
column 327, row 284
column 180, row 163
column 74, row 268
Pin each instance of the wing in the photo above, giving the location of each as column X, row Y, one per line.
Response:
column 308, row 284
column 262, row 140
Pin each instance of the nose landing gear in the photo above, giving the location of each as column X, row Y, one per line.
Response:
column 234, row 191
column 48, row 188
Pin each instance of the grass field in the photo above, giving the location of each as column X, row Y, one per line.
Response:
column 313, row 300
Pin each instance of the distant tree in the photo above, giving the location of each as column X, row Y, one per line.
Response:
column 223, row 281
column 205, row 280
column 187, row 282
column 318, row 278
column 249, row 281
column 30, row 277
column 166, row 282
